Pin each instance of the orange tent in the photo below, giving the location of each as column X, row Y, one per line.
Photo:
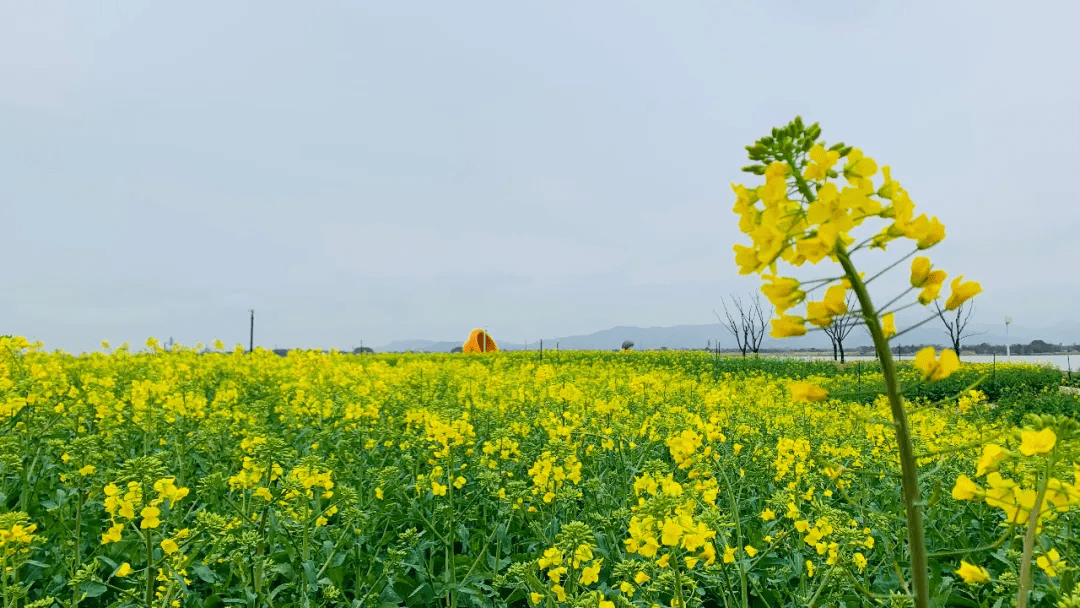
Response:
column 479, row 342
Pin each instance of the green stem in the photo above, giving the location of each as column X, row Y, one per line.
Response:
column 333, row 553
column 4, row 578
column 678, row 585
column 800, row 182
column 860, row 588
column 451, row 596
column 909, row 474
column 1029, row 538
column 150, row 574
column 739, row 538
column 821, row 587
column 78, row 542
column 27, row 488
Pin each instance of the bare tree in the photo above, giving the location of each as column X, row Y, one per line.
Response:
column 956, row 328
column 842, row 325
column 749, row 328
column 833, row 341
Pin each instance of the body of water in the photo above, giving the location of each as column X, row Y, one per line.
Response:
column 1063, row 362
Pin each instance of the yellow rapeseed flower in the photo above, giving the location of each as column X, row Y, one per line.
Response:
column 708, row 553
column 113, row 534
column 934, row 369
column 671, row 533
column 961, row 292
column 965, row 489
column 860, row 561
column 930, row 281
column 786, row 326
column 972, row 574
column 782, row 292
column 888, row 325
column 552, row 557
column 1037, row 442
column 729, row 554
column 150, row 517
column 858, row 166
column 1050, row 562
column 992, row 455
column 591, row 573
column 920, row 271
column 926, row 233
column 560, row 592
column 802, row 391
column 821, row 161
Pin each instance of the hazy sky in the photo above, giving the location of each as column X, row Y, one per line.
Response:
column 381, row 170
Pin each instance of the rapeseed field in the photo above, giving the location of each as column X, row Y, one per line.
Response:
column 173, row 478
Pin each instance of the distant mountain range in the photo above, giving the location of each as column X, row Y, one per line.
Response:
column 698, row 336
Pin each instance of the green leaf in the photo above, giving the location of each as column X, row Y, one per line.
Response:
column 204, row 572
column 311, row 573
column 285, row 570
column 279, row 589
column 92, row 589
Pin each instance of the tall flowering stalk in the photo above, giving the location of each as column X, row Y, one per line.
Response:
column 804, row 213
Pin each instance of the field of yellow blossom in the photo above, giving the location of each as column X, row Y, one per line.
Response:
column 500, row 479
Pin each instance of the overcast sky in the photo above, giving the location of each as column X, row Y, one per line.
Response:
column 388, row 170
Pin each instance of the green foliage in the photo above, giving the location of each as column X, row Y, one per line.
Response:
column 862, row 381
column 1015, row 406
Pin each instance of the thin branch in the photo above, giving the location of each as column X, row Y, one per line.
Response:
column 894, row 300
column 919, row 324
column 891, row 266
column 760, row 322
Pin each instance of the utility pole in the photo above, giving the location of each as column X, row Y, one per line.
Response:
column 1007, row 321
column 251, row 345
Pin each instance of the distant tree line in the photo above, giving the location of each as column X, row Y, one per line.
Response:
column 1035, row 347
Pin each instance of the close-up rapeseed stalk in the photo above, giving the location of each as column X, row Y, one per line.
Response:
column 803, row 214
